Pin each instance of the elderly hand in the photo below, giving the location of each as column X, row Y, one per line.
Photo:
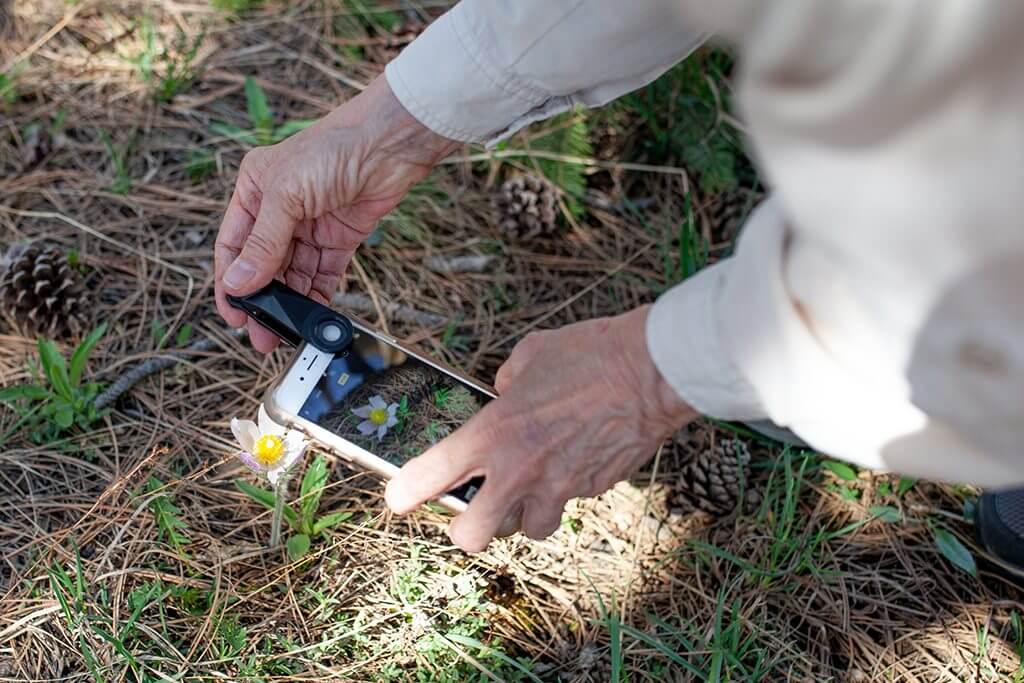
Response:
column 580, row 408
column 301, row 207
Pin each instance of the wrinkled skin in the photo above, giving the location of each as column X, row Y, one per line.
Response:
column 580, row 408
column 301, row 207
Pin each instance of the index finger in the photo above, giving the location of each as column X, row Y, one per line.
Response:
column 444, row 466
column 235, row 227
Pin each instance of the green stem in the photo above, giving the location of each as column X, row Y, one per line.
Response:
column 280, row 493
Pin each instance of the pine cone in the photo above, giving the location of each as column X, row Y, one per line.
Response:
column 526, row 207
column 41, row 292
column 727, row 211
column 714, row 480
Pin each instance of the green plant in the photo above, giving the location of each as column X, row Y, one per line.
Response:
column 235, row 6
column 953, row 549
column 167, row 70
column 118, row 160
column 172, row 528
column 304, row 522
column 680, row 120
column 8, row 90
column 158, row 331
column 263, row 130
column 200, row 165
column 58, row 399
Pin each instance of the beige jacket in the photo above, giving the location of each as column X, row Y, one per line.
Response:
column 874, row 304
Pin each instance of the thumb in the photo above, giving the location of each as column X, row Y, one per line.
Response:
column 264, row 248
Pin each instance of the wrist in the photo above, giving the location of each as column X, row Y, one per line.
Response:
column 660, row 401
column 388, row 129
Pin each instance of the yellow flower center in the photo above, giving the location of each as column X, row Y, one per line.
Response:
column 268, row 449
column 379, row 416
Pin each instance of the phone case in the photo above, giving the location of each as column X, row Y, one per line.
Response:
column 348, row 450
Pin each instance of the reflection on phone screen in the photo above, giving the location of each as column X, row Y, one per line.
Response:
column 391, row 404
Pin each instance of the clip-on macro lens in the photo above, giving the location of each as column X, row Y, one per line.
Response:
column 296, row 318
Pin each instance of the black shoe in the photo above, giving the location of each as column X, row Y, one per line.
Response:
column 999, row 519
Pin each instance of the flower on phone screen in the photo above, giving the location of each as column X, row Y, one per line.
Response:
column 378, row 417
column 268, row 449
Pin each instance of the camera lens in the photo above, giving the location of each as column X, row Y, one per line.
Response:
column 329, row 331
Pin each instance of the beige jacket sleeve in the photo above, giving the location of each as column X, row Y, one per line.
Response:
column 874, row 304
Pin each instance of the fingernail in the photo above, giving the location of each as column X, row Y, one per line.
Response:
column 238, row 275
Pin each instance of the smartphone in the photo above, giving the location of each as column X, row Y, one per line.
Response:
column 377, row 403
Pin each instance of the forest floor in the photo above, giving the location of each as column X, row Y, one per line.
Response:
column 129, row 553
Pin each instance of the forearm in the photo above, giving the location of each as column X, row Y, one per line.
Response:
column 487, row 68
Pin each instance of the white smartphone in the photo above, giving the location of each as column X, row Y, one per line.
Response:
column 377, row 403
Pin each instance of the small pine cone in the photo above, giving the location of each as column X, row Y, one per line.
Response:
column 526, row 207
column 714, row 480
column 41, row 293
column 728, row 211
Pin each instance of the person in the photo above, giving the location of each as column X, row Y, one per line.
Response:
column 873, row 304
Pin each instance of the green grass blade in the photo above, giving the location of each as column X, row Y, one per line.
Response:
column 664, row 649
column 500, row 656
column 234, row 133
column 81, row 354
column 256, row 103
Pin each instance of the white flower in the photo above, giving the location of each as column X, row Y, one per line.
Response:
column 268, row 449
column 377, row 416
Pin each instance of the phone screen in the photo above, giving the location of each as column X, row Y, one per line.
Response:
column 390, row 403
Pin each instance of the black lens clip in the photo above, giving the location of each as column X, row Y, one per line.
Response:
column 296, row 318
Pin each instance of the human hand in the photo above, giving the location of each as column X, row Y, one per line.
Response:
column 580, row 408
column 301, row 207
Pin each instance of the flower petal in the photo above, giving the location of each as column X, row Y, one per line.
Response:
column 362, row 412
column 245, row 432
column 366, row 427
column 381, row 431
column 392, row 409
column 266, row 424
column 377, row 402
column 289, row 459
column 392, row 421
column 251, row 462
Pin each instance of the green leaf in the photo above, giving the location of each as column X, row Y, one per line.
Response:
column 330, row 520
column 904, row 485
column 266, row 499
column 256, row 102
column 886, row 513
column 954, row 551
column 312, row 489
column 55, row 368
column 291, row 128
column 234, row 132
column 840, row 469
column 32, row 392
column 298, row 546
column 64, row 417
column 184, row 334
column 82, row 353
column 884, row 489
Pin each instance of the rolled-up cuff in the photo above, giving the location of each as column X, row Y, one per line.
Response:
column 684, row 340
column 445, row 80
